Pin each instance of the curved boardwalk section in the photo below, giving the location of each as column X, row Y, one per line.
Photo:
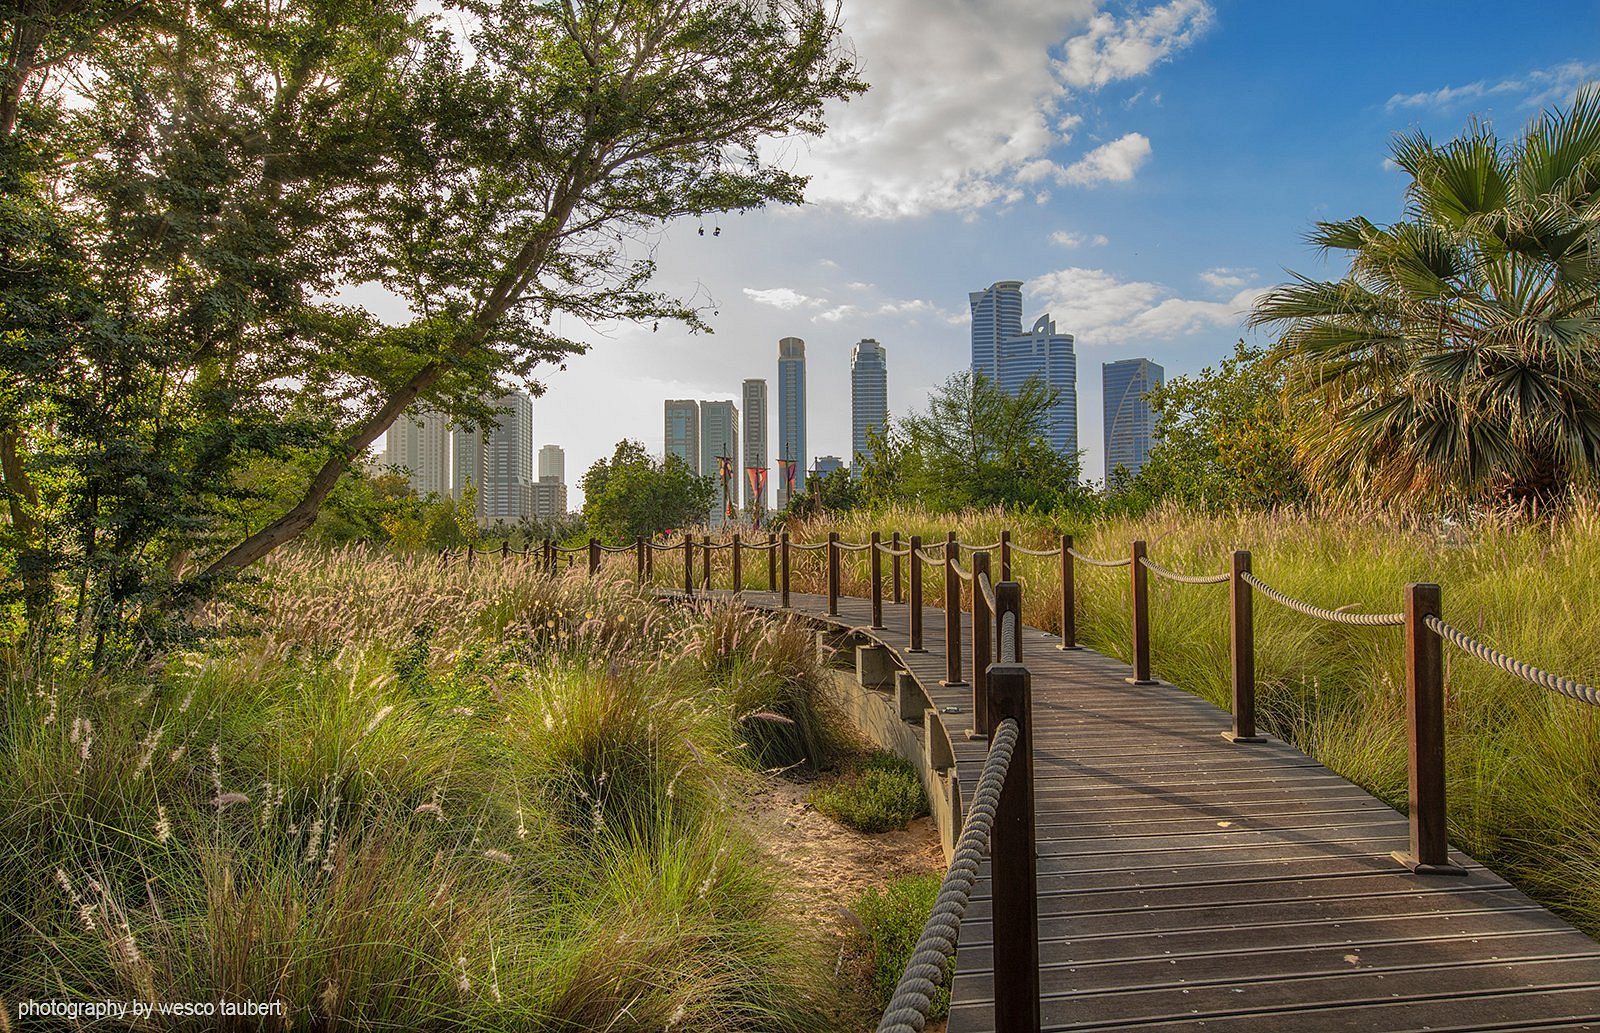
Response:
column 1186, row 882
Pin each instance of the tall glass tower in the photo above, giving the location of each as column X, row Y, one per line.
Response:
column 719, row 437
column 869, row 398
column 683, row 431
column 755, row 438
column 791, row 412
column 419, row 443
column 1129, row 419
column 1010, row 356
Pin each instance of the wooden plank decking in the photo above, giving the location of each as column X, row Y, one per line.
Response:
column 1189, row 883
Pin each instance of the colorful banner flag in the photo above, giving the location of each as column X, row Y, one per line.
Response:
column 786, row 466
column 758, row 481
column 724, row 467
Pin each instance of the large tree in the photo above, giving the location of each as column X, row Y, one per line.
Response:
column 239, row 163
column 631, row 494
column 1459, row 357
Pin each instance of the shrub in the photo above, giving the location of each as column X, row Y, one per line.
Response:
column 880, row 794
column 891, row 923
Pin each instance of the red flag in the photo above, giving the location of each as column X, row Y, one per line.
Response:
column 758, row 481
column 786, row 466
column 724, row 467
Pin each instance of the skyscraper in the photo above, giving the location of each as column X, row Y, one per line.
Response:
column 755, row 438
column 719, row 437
column 506, row 492
column 1007, row 355
column 553, row 463
column 419, row 443
column 683, row 431
column 791, row 412
column 466, row 463
column 1129, row 419
column 869, row 398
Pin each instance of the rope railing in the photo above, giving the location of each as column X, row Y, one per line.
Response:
column 988, row 592
column 1094, row 562
column 1186, row 579
column 913, row 996
column 1035, row 552
column 960, row 572
column 1568, row 687
column 812, row 547
column 855, row 546
column 991, row 547
column 1364, row 620
column 890, row 551
column 922, row 554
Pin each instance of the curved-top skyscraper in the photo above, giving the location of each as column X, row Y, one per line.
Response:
column 869, row 398
column 1010, row 357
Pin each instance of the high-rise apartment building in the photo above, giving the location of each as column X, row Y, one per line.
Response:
column 419, row 444
column 869, row 398
column 497, row 460
column 826, row 465
column 791, row 413
column 1129, row 419
column 719, row 438
column 683, row 431
column 1010, row 356
column 553, row 463
column 755, row 439
column 466, row 463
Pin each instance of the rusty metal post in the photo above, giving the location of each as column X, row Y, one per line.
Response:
column 876, row 567
column 916, row 595
column 952, row 614
column 688, row 563
column 594, row 557
column 1430, row 843
column 1244, row 653
column 1008, row 599
column 894, row 568
column 1141, row 618
column 1005, row 555
column 1013, row 869
column 640, row 549
column 833, row 573
column 738, row 564
column 982, row 647
column 705, row 562
column 783, row 597
column 1069, row 597
column 772, row 562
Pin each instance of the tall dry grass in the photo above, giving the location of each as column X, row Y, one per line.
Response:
column 409, row 796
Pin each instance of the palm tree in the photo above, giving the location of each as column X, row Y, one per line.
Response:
column 1459, row 357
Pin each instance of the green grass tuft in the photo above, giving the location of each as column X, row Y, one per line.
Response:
column 881, row 793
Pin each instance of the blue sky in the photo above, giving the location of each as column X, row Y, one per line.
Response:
column 1144, row 168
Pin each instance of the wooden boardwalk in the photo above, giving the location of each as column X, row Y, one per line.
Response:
column 1189, row 883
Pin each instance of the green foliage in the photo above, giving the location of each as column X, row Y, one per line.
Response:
column 975, row 445
column 837, row 492
column 1456, row 361
column 879, row 794
column 892, row 922
column 631, row 494
column 1223, row 440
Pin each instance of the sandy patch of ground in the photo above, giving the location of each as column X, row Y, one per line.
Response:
column 827, row 866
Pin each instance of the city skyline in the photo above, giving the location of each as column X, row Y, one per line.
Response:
column 1010, row 357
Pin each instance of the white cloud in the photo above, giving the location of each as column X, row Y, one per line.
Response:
column 1098, row 308
column 1066, row 238
column 779, row 297
column 968, row 103
column 1227, row 278
column 1538, row 87
column 1114, row 49
column 1114, row 162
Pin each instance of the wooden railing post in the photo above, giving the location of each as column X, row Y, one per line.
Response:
column 641, row 549
column 1013, row 870
column 952, row 614
column 594, row 557
column 833, row 573
column 1007, row 599
column 875, row 565
column 472, row 555
column 544, row 555
column 705, row 562
column 1244, row 653
column 688, row 563
column 1141, row 617
column 894, row 568
column 982, row 647
column 505, row 549
column 1430, row 843
column 1069, row 597
column 738, row 564
column 783, row 598
column 772, row 562
column 916, row 595
column 1005, row 555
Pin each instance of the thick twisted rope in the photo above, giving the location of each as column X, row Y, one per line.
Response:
column 1093, row 562
column 808, row 548
column 855, row 547
column 913, row 996
column 564, row 549
column 892, row 551
column 991, row 547
column 1511, row 665
column 1187, row 579
column 1008, row 637
column 923, row 555
column 1035, row 552
column 1366, row 620
column 988, row 592
column 965, row 575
